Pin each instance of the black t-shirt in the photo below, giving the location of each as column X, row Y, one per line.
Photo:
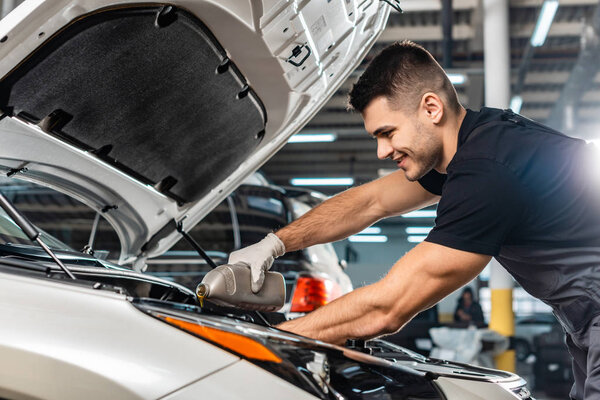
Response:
column 514, row 182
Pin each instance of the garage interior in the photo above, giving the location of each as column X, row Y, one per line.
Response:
column 556, row 83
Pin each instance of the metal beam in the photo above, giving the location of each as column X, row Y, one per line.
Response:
column 340, row 145
column 425, row 33
column 467, row 32
column 563, row 3
column 447, row 33
column 410, row 6
column 339, row 101
column 336, row 119
column 316, row 168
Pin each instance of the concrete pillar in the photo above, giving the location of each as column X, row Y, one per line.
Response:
column 496, row 53
column 496, row 45
column 7, row 6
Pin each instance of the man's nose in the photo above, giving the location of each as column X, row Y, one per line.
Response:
column 384, row 149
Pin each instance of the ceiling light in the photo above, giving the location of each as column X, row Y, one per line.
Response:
column 544, row 22
column 313, row 138
column 322, row 181
column 368, row 238
column 457, row 79
column 418, row 230
column 416, row 238
column 515, row 104
column 421, row 214
column 421, row 5
column 372, row 230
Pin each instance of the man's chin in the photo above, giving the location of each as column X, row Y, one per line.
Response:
column 411, row 176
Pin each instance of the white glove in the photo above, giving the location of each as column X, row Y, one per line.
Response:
column 259, row 257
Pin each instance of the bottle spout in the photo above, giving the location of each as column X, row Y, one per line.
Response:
column 202, row 291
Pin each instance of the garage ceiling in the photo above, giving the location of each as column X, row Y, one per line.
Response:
column 353, row 154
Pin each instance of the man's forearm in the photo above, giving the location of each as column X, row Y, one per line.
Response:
column 335, row 219
column 421, row 278
column 351, row 316
column 355, row 209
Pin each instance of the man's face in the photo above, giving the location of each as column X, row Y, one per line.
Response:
column 412, row 144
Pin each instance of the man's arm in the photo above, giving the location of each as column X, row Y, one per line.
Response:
column 355, row 209
column 339, row 217
column 421, row 278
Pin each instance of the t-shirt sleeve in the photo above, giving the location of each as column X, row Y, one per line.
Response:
column 433, row 182
column 482, row 203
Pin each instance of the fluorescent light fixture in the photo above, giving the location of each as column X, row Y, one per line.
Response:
column 372, row 230
column 421, row 214
column 421, row 5
column 418, row 230
column 416, row 238
column 313, row 138
column 322, row 181
column 515, row 103
column 544, row 22
column 368, row 238
column 457, row 79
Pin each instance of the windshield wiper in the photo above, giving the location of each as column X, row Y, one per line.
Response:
column 32, row 233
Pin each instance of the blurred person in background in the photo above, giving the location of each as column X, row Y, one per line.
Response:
column 467, row 309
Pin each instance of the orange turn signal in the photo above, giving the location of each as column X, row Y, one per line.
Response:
column 240, row 344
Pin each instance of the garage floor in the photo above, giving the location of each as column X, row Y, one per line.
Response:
column 526, row 371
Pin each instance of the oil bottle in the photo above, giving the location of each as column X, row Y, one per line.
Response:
column 230, row 285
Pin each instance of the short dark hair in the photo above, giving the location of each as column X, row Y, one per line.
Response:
column 403, row 72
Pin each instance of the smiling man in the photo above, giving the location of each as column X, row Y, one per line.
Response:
column 507, row 188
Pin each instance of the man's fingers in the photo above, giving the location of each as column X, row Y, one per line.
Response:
column 236, row 256
column 257, row 281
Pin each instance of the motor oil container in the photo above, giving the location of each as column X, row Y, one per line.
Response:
column 230, row 285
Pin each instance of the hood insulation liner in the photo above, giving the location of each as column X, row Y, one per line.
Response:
column 148, row 89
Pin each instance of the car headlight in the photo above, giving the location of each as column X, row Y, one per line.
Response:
column 326, row 371
column 236, row 343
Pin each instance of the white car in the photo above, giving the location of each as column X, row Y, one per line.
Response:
column 151, row 113
column 313, row 277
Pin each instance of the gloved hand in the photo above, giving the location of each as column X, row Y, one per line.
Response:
column 259, row 257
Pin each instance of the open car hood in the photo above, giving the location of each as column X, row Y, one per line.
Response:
column 152, row 113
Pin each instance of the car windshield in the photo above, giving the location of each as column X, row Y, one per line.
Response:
column 11, row 234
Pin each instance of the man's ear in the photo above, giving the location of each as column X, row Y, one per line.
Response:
column 433, row 107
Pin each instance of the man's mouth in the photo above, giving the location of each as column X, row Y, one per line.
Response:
column 400, row 160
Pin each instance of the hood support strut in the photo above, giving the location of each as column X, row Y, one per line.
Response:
column 195, row 244
column 30, row 231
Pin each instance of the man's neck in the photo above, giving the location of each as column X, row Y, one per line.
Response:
column 450, row 139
